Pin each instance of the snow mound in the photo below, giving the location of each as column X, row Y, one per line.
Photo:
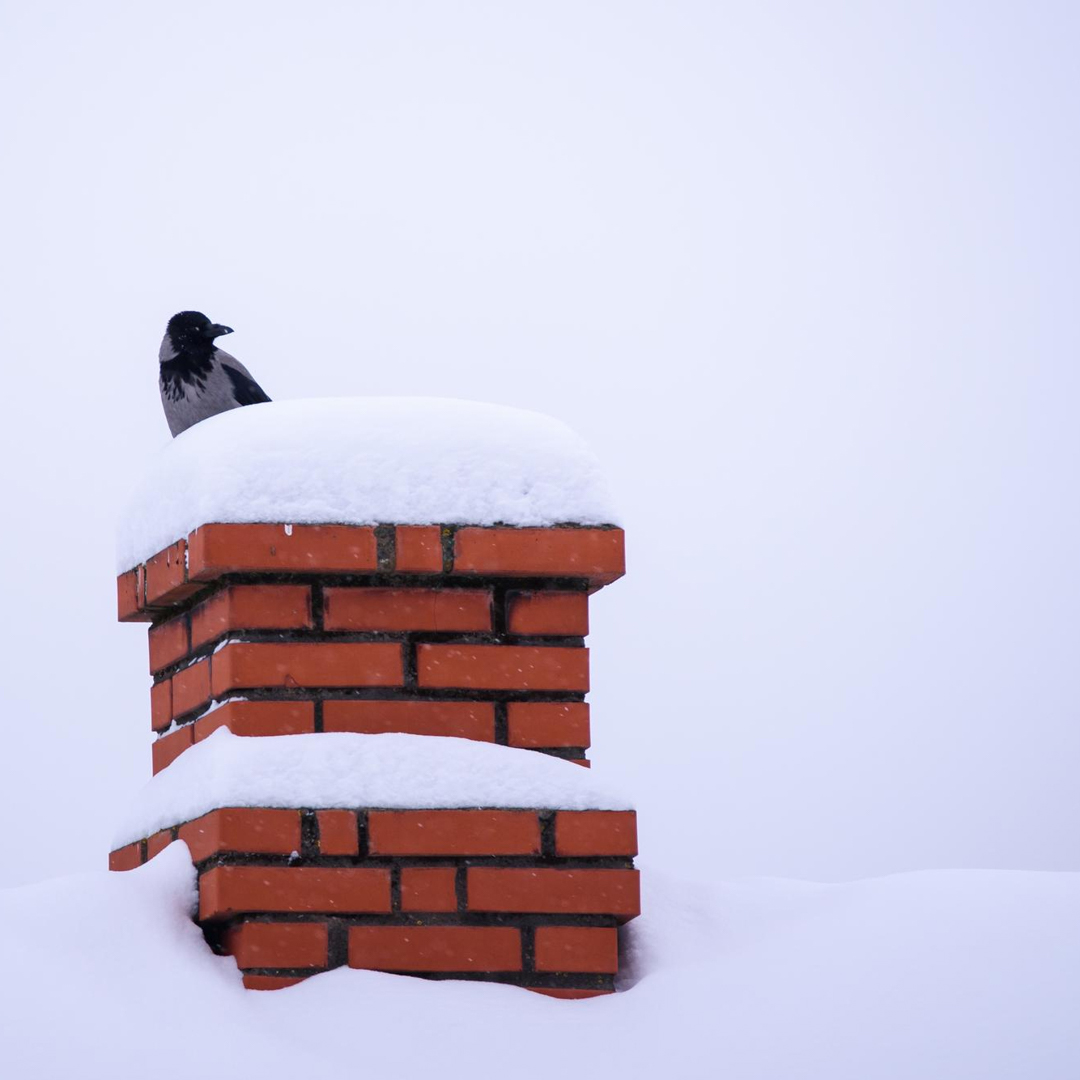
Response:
column 407, row 461
column 964, row 975
column 347, row 770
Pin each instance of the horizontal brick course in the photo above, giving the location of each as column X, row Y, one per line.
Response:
column 169, row 643
column 595, row 554
column 577, row 949
column 165, row 577
column 418, row 549
column 547, row 723
column 245, row 665
column 243, row 829
column 251, row 607
column 169, row 747
column 453, row 832
column 554, row 892
column 236, row 890
column 126, row 858
column 278, row 945
column 258, row 718
column 435, row 948
column 157, row 843
column 371, row 609
column 539, row 613
column 217, row 549
column 459, row 719
column 271, row 982
column 595, row 832
column 502, row 667
column 191, row 688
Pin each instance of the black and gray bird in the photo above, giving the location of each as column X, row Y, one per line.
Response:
column 197, row 378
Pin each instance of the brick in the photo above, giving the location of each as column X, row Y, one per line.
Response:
column 595, row 832
column 217, row 549
column 161, row 705
column 169, row 747
column 435, row 948
column 567, row 992
column 338, row 833
column 363, row 609
column 539, row 613
column 428, row 888
column 191, row 688
column 244, row 665
column 232, row 890
column 242, row 829
column 258, row 718
column 503, row 667
column 555, row 892
column 126, row 858
column 157, row 843
column 166, row 579
column 548, row 723
column 251, row 607
column 453, row 832
column 271, row 982
column 129, row 592
column 583, row 762
column 460, row 719
column 577, row 949
column 278, row 945
column 168, row 643
column 418, row 549
column 595, row 554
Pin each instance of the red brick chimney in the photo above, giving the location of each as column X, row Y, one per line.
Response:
column 472, row 632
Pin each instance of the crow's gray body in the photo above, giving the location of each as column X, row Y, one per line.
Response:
column 198, row 384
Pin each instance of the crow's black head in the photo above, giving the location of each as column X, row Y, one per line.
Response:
column 193, row 332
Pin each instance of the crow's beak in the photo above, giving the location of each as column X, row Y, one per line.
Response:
column 216, row 330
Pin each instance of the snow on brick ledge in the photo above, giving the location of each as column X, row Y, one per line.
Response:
column 346, row 770
column 365, row 461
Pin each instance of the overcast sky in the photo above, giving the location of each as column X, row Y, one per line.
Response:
column 805, row 275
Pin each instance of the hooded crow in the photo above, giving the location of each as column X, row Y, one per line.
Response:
column 197, row 378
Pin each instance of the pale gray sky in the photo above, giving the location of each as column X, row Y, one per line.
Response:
column 805, row 275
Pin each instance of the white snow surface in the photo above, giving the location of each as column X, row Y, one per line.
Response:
column 349, row 770
column 958, row 974
column 365, row 461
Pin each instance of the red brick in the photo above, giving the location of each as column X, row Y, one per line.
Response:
column 191, row 687
column 596, row 832
column 243, row 829
column 503, row 667
column 166, row 577
column 232, row 890
column 461, row 719
column 583, row 762
column 161, row 705
column 453, row 832
column 364, row 609
column 435, row 948
column 567, row 992
column 157, row 843
column 169, row 747
column 576, row 948
column 129, row 592
column 168, row 643
column 278, row 945
column 271, row 982
column 418, row 549
column 338, row 834
column 596, row 554
column 217, row 549
column 251, row 607
column 126, row 858
column 548, row 723
column 244, row 665
column 258, row 718
column 555, row 892
column 539, row 613
column 428, row 888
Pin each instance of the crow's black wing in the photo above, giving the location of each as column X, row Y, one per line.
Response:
column 245, row 389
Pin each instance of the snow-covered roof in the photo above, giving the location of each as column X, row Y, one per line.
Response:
column 407, row 461
column 349, row 770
